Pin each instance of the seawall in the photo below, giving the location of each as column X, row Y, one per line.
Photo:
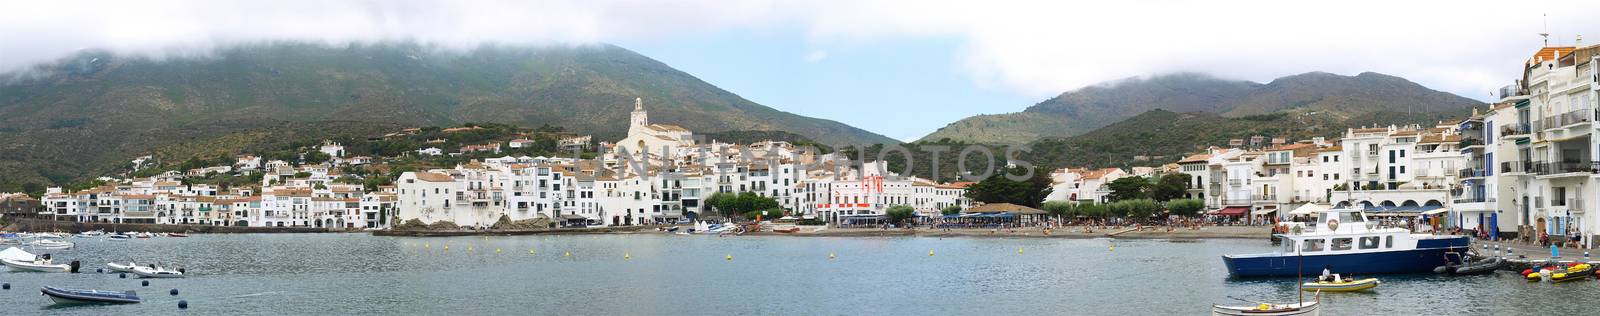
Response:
column 40, row 225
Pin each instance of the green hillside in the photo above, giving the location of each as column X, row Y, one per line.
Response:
column 90, row 113
column 1075, row 112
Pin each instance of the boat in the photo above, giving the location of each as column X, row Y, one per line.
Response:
column 1480, row 266
column 1341, row 285
column 1537, row 272
column 75, row 296
column 789, row 230
column 39, row 265
column 1579, row 271
column 157, row 272
column 118, row 237
column 187, row 235
column 51, row 244
column 143, row 235
column 1311, row 308
column 18, row 254
column 118, row 267
column 89, row 234
column 1345, row 241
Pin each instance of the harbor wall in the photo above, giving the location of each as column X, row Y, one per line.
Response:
column 43, row 225
column 503, row 232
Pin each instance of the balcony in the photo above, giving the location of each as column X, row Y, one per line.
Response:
column 1553, row 168
column 1517, row 130
column 1512, row 91
column 1472, row 173
column 1263, row 198
column 1569, row 118
column 1514, row 167
column 1476, row 199
column 1469, row 142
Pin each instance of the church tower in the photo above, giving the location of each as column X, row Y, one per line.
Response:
column 640, row 119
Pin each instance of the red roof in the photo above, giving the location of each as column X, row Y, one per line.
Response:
column 1234, row 211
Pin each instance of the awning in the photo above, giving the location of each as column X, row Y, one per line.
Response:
column 1309, row 209
column 1263, row 212
column 1233, row 211
column 1436, row 211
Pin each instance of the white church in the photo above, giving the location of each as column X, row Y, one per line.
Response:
column 645, row 136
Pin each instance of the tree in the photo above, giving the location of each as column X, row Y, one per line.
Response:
column 1170, row 186
column 1186, row 207
column 950, row 210
column 899, row 213
column 764, row 214
column 1128, row 188
column 1140, row 208
column 1092, row 209
column 1060, row 209
column 722, row 202
column 1000, row 189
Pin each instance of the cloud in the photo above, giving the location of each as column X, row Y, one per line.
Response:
column 1032, row 47
column 816, row 56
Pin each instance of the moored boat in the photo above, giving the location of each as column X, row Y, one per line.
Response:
column 76, row 296
column 1311, row 308
column 51, row 244
column 1580, row 271
column 1480, row 266
column 1341, row 285
column 121, row 267
column 1347, row 243
column 157, row 272
column 187, row 235
column 118, row 237
column 39, row 265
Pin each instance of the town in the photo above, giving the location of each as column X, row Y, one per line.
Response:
column 1515, row 169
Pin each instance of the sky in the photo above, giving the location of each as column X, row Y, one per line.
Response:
column 898, row 68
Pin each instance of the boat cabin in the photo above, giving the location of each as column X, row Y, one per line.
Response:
column 1342, row 231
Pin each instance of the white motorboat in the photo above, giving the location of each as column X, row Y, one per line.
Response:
column 51, row 244
column 15, row 253
column 143, row 235
column 154, row 271
column 118, row 237
column 37, row 265
column 89, row 234
column 122, row 267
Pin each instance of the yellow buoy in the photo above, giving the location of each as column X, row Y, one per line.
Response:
column 424, row 246
column 469, row 248
column 496, row 250
column 830, row 256
column 1113, row 247
column 530, row 251
column 567, row 254
column 730, row 257
column 446, row 247
column 626, row 256
column 1019, row 251
column 930, row 252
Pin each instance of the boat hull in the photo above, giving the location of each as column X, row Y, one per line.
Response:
column 64, row 296
column 1306, row 309
column 23, row 266
column 1420, row 260
column 1352, row 286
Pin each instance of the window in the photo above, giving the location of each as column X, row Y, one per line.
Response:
column 1311, row 245
column 1324, row 158
column 1369, row 242
column 1341, row 244
column 1388, row 241
column 1402, row 169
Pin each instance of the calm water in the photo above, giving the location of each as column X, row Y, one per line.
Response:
column 689, row 275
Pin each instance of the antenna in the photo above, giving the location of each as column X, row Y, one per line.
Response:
column 1546, row 33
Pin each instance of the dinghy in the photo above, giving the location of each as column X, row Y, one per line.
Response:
column 1341, row 285
column 38, row 265
column 119, row 267
column 51, row 244
column 157, row 272
column 118, row 237
column 75, row 296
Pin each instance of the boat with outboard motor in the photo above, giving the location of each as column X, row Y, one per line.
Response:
column 77, row 296
column 121, row 267
column 41, row 264
column 1342, row 285
column 1348, row 243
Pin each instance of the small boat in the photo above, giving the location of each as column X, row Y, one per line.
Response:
column 1481, row 266
column 789, row 230
column 119, row 267
column 157, row 272
column 1537, row 273
column 1341, row 285
column 118, row 237
column 39, row 265
column 51, row 244
column 143, row 235
column 177, row 235
column 1267, row 309
column 1581, row 271
column 75, row 296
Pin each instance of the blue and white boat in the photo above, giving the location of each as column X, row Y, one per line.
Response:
column 73, row 296
column 1347, row 243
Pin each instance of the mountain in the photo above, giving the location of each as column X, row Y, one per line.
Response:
column 87, row 114
column 1164, row 136
column 1079, row 111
